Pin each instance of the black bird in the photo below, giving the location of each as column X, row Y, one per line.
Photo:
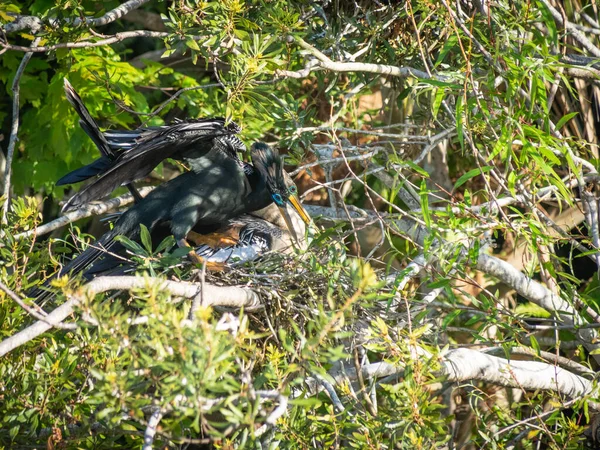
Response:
column 217, row 189
column 130, row 155
column 237, row 241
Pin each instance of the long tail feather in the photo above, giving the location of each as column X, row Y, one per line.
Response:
column 87, row 122
column 77, row 265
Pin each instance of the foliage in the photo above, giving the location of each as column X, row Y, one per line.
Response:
column 217, row 379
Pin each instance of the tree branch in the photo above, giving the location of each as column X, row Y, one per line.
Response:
column 462, row 365
column 232, row 297
column 118, row 37
column 14, row 130
column 381, row 69
column 151, row 429
column 91, row 209
column 35, row 24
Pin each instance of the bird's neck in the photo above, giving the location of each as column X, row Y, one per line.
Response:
column 260, row 196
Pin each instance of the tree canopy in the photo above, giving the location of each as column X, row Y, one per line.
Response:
column 448, row 297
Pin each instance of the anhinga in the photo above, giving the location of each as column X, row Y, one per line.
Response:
column 236, row 241
column 218, row 188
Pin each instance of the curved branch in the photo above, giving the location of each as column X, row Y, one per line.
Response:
column 118, row 37
column 233, row 297
column 35, row 24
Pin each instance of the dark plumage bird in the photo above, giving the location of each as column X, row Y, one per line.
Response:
column 218, row 189
column 130, row 155
column 236, row 241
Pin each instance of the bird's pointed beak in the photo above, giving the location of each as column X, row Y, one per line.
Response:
column 295, row 202
column 288, row 221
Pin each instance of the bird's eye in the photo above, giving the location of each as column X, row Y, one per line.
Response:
column 277, row 199
column 293, row 190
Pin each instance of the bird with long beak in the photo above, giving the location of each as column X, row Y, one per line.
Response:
column 218, row 189
column 237, row 241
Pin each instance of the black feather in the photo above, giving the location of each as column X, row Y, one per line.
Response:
column 83, row 173
column 87, row 122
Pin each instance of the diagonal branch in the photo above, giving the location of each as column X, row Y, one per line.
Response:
column 232, row 297
column 91, row 209
column 14, row 130
column 35, row 24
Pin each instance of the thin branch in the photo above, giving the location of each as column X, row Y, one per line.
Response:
column 118, row 37
column 35, row 24
column 232, row 297
column 560, row 360
column 32, row 312
column 91, row 209
column 14, row 129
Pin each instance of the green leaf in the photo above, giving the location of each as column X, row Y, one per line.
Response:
column 146, row 238
column 532, row 310
column 450, row 317
column 535, row 344
column 564, row 119
column 424, row 195
column 471, row 174
column 459, row 121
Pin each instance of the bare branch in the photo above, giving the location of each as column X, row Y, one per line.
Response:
column 560, row 360
column 14, row 130
column 35, row 24
column 91, row 209
column 463, row 365
column 232, row 297
column 381, row 69
column 118, row 37
column 111, row 15
column 151, row 429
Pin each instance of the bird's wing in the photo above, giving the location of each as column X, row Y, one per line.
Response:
column 185, row 140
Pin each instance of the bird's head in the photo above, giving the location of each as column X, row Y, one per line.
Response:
column 281, row 187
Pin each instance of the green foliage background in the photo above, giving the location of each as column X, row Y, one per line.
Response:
column 96, row 386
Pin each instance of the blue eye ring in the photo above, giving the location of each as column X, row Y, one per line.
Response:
column 293, row 189
column 277, row 199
